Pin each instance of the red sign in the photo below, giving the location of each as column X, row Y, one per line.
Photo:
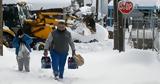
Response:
column 125, row 7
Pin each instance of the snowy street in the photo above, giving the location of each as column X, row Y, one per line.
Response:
column 102, row 66
column 130, row 26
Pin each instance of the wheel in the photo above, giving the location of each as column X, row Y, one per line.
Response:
column 41, row 47
column 7, row 40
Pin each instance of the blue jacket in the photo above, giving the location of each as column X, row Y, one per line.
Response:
column 26, row 39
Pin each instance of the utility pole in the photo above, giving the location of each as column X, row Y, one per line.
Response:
column 121, row 35
column 1, row 29
column 121, row 31
column 115, row 35
column 97, row 4
column 118, row 28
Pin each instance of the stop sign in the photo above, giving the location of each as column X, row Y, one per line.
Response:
column 125, row 7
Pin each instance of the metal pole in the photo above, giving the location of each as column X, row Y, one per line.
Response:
column 138, row 34
column 97, row 3
column 152, row 26
column 1, row 29
column 115, row 34
column 143, row 45
column 124, row 29
column 121, row 31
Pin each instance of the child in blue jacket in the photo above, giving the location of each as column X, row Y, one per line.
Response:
column 23, row 58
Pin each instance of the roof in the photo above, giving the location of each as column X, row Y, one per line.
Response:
column 48, row 4
column 11, row 1
column 38, row 4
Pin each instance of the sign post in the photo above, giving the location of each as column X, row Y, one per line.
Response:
column 115, row 34
column 1, row 29
column 124, row 8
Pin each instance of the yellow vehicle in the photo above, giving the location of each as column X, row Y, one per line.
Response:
column 42, row 25
column 8, row 35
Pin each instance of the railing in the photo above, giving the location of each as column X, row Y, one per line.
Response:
column 145, row 34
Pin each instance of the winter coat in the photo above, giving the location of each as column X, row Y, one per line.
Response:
column 59, row 41
column 26, row 39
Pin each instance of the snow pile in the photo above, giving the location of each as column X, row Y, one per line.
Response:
column 100, row 35
column 109, row 28
column 93, row 47
column 85, row 10
column 82, row 29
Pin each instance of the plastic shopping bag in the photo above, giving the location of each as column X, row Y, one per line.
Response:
column 23, row 51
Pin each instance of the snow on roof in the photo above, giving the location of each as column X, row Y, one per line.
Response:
column 48, row 4
column 12, row 1
column 45, row 4
column 142, row 2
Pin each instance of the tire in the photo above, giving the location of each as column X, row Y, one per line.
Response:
column 7, row 40
column 41, row 47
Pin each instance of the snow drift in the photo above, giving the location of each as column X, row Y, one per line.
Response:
column 100, row 35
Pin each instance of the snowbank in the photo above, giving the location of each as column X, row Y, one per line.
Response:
column 100, row 35
column 85, row 10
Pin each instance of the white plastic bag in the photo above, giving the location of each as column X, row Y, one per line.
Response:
column 23, row 51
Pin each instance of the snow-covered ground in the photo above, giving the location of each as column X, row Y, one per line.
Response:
column 102, row 65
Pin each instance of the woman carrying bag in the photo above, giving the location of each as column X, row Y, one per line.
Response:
column 22, row 44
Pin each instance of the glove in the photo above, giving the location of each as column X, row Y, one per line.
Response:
column 45, row 52
column 73, row 53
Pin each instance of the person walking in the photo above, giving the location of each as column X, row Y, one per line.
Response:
column 22, row 43
column 58, row 44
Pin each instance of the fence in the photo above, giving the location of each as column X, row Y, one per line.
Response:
column 157, row 37
column 144, row 33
